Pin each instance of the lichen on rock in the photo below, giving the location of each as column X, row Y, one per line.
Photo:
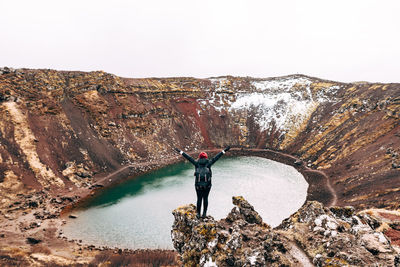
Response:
column 313, row 236
column 238, row 240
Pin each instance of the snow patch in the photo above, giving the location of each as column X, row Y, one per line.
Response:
column 284, row 83
column 252, row 259
column 221, row 81
column 212, row 244
column 322, row 95
column 210, row 263
column 218, row 100
column 282, row 109
column 381, row 238
column 359, row 226
column 282, row 103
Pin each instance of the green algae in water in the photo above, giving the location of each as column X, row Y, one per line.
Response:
column 137, row 213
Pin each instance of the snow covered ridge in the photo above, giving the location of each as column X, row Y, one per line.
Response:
column 279, row 110
column 281, row 103
column 283, row 83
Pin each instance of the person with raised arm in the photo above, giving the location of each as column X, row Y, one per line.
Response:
column 203, row 176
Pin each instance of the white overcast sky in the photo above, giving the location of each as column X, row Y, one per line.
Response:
column 344, row 40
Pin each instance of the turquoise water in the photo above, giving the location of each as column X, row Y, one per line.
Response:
column 137, row 213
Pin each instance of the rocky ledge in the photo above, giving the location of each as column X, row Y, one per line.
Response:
column 314, row 235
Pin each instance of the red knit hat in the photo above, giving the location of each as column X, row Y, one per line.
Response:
column 203, row 155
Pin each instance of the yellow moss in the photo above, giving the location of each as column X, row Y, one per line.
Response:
column 190, row 257
column 385, row 87
column 208, row 231
column 367, row 138
column 324, row 166
column 221, row 257
column 352, row 102
column 383, row 227
column 205, row 251
column 314, row 251
column 373, row 163
column 328, row 153
column 363, row 197
column 390, row 190
column 376, row 86
column 240, row 198
column 351, row 89
column 317, row 142
column 315, row 87
column 333, row 262
column 347, row 148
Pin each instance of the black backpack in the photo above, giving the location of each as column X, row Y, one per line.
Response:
column 203, row 176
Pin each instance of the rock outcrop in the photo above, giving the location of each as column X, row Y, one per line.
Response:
column 314, row 235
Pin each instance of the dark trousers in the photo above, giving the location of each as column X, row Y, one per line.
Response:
column 202, row 196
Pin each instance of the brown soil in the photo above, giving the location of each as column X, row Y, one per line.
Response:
column 389, row 216
column 394, row 236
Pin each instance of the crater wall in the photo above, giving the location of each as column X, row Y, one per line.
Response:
column 68, row 130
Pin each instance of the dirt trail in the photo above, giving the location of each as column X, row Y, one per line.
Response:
column 143, row 166
column 328, row 186
column 327, row 180
column 109, row 176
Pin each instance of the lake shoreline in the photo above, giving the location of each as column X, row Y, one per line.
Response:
column 318, row 182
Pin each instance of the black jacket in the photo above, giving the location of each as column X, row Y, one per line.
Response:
column 201, row 162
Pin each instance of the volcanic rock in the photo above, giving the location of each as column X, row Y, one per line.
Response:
column 313, row 235
column 33, row 240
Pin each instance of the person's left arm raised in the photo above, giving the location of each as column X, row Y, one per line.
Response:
column 214, row 159
column 186, row 156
